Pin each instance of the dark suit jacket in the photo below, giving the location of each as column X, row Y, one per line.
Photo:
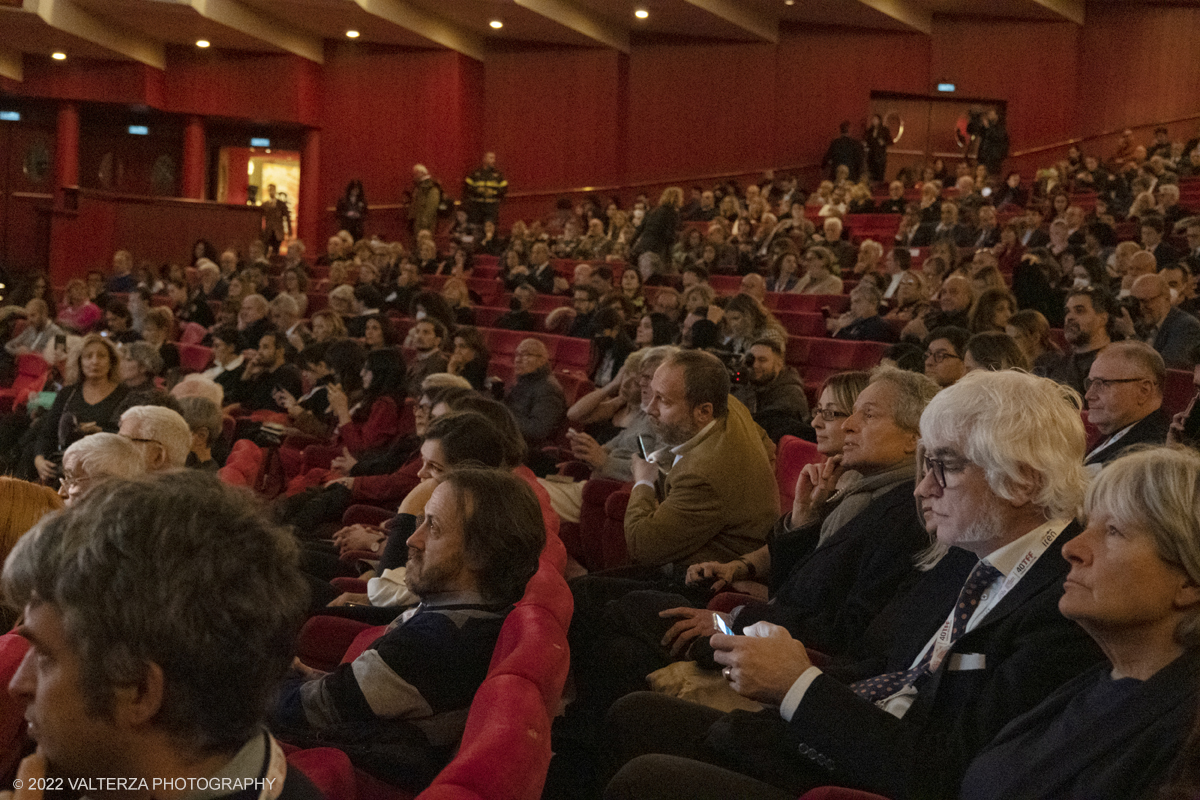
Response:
column 827, row 596
column 1126, row 753
column 1165, row 255
column 1176, row 337
column 1027, row 649
column 1150, row 429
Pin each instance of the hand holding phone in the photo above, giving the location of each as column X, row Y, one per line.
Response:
column 721, row 625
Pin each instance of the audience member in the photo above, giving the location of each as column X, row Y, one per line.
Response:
column 264, row 376
column 536, row 399
column 945, row 351
column 469, row 562
column 1141, row 533
column 204, row 420
column 1090, row 314
column 1124, row 397
column 88, row 403
column 96, row 458
column 169, row 609
column 163, row 436
column 862, row 322
column 993, row 350
column 772, row 392
column 1170, row 331
column 719, row 493
column 427, row 337
column 39, row 334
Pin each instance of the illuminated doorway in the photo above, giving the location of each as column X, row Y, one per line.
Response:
column 243, row 174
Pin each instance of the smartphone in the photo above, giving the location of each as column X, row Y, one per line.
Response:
column 642, row 447
column 720, row 624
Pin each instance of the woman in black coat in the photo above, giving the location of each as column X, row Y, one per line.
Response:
column 657, row 232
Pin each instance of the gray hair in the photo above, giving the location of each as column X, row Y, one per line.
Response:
column 1023, row 431
column 176, row 571
column 914, row 391
column 164, row 426
column 868, row 291
column 196, row 385
column 286, row 304
column 1157, row 489
column 199, row 412
column 104, row 455
column 653, row 357
column 145, row 355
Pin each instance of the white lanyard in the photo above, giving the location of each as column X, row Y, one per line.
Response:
column 942, row 642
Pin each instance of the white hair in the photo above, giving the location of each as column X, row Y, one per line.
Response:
column 164, row 426
column 104, row 455
column 196, row 385
column 1023, row 431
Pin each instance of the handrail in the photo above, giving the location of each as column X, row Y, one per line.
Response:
column 1092, row 137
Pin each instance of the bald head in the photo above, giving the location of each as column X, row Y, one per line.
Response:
column 1153, row 298
column 955, row 294
column 755, row 286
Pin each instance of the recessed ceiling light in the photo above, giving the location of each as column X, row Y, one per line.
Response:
column 641, row 13
column 497, row 24
column 351, row 34
column 59, row 56
column 789, row 2
column 202, row 43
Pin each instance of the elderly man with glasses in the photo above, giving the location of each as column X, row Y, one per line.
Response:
column 1171, row 332
column 1124, row 397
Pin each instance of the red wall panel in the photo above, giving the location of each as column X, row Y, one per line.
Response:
column 700, row 110
column 826, row 75
column 158, row 230
column 552, row 118
column 92, row 80
column 256, row 86
column 1136, row 70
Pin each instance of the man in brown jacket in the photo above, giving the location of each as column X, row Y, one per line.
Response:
column 719, row 495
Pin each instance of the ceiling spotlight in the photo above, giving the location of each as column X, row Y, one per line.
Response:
column 202, row 43
column 641, row 13
column 496, row 24
column 351, row 34
column 59, row 56
column 789, row 2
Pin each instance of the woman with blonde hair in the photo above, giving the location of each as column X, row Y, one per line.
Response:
column 458, row 297
column 91, row 398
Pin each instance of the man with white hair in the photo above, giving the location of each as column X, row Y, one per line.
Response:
column 96, row 458
column 976, row 642
column 845, row 252
column 163, row 436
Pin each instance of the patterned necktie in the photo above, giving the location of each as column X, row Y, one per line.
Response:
column 886, row 685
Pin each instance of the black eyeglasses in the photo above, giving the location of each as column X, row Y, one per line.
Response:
column 940, row 356
column 1104, row 383
column 937, row 468
column 829, row 414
